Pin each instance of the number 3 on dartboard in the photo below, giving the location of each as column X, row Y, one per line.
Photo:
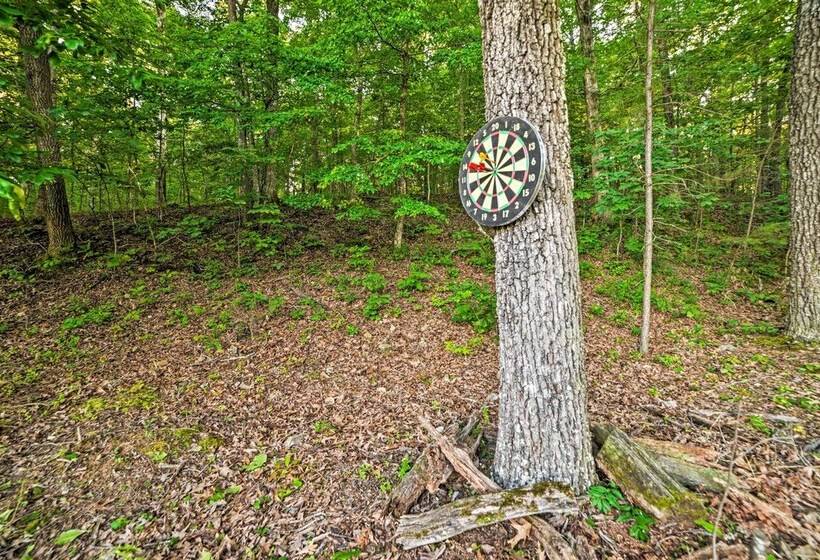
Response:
column 502, row 158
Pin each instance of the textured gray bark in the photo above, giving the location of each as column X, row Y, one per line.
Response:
column 804, row 164
column 543, row 431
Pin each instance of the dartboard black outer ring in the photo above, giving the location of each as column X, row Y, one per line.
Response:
column 534, row 177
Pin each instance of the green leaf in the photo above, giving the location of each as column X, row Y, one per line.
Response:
column 74, row 43
column 67, row 537
column 708, row 527
column 14, row 196
column 136, row 79
column 346, row 554
column 120, row 523
column 205, row 555
column 10, row 10
column 257, row 463
column 231, row 490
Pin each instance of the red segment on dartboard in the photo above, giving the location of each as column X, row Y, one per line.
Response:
column 502, row 170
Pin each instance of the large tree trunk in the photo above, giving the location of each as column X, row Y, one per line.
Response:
column 543, row 431
column 583, row 10
column 646, row 312
column 52, row 199
column 804, row 163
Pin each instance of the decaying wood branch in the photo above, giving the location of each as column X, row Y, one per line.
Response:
column 431, row 470
column 686, row 468
column 478, row 511
column 642, row 479
column 703, row 456
column 552, row 542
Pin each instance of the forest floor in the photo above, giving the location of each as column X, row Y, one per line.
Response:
column 173, row 400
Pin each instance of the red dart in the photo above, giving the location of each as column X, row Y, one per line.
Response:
column 476, row 166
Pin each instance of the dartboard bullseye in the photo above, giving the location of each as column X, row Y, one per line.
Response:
column 501, row 171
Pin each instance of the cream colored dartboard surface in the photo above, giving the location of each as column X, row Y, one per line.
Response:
column 501, row 171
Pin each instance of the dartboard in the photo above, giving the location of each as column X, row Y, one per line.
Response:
column 501, row 171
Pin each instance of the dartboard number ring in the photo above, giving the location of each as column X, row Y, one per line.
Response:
column 501, row 171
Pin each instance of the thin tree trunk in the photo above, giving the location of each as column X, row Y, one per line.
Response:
column 270, row 186
column 186, row 186
column 666, row 83
column 774, row 160
column 543, row 431
column 646, row 313
column 357, row 123
column 405, row 84
column 161, row 181
column 583, row 10
column 40, row 90
column 764, row 134
column 462, row 92
column 804, row 163
column 242, row 130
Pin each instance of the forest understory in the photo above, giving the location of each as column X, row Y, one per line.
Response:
column 194, row 393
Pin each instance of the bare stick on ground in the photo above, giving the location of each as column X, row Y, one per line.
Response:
column 479, row 511
column 713, row 418
column 552, row 542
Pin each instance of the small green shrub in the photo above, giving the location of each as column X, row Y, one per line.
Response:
column 93, row 316
column 357, row 257
column 416, row 281
column 374, row 304
column 716, row 283
column 374, row 282
column 588, row 270
column 475, row 249
column 759, row 424
column 471, row 303
column 589, row 241
column 671, row 361
column 608, row 498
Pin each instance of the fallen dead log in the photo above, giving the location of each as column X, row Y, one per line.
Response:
column 642, row 479
column 699, row 455
column 479, row 511
column 430, row 470
column 683, row 464
column 554, row 545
